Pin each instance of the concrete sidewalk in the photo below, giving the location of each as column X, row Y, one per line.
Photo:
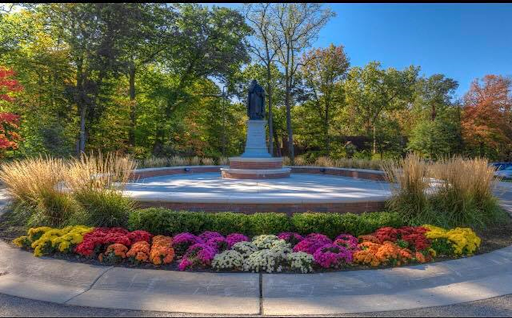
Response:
column 445, row 283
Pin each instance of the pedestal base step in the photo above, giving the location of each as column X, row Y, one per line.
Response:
column 255, row 163
column 230, row 173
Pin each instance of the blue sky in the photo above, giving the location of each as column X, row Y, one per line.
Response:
column 462, row 41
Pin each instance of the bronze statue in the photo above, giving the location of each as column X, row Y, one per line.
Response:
column 256, row 102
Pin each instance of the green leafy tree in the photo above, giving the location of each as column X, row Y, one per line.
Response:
column 323, row 70
column 371, row 91
column 297, row 26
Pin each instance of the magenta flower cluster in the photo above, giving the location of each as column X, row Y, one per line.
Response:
column 208, row 235
column 183, row 241
column 332, row 256
column 234, row 238
column 291, row 237
column 346, row 240
column 311, row 243
column 219, row 243
column 198, row 255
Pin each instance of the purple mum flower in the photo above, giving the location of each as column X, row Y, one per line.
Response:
column 332, row 256
column 184, row 264
column 219, row 243
column 347, row 240
column 183, row 241
column 198, row 255
column 234, row 238
column 290, row 237
column 311, row 243
column 207, row 235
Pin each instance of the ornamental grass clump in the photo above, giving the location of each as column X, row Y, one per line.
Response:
column 34, row 184
column 410, row 180
column 96, row 182
column 465, row 195
column 450, row 192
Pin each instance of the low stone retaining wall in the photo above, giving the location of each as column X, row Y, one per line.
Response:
column 374, row 175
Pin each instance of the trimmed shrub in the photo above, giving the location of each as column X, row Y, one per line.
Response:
column 229, row 222
column 162, row 221
column 269, row 223
column 333, row 224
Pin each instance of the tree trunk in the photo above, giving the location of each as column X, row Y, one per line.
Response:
column 270, row 122
column 131, row 134
column 81, row 145
column 374, row 137
column 326, row 130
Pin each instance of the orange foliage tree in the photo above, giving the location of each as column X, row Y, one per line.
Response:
column 487, row 117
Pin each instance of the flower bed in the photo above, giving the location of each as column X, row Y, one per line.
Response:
column 285, row 252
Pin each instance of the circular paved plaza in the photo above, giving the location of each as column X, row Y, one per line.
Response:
column 299, row 189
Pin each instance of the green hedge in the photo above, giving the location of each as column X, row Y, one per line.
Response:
column 168, row 222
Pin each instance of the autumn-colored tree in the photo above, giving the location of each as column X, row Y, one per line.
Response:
column 487, row 116
column 8, row 121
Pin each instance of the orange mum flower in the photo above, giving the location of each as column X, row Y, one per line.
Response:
column 162, row 240
column 161, row 254
column 118, row 250
column 139, row 251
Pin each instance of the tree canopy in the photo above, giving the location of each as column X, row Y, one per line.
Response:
column 151, row 79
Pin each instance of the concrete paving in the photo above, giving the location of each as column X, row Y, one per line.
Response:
column 4, row 199
column 299, row 188
column 346, row 292
column 439, row 289
column 208, row 293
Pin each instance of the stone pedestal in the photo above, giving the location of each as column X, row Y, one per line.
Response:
column 256, row 145
column 255, row 162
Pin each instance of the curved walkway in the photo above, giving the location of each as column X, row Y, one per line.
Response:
column 437, row 284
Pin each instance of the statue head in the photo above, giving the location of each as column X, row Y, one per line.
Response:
column 253, row 84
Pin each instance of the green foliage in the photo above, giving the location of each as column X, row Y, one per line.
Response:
column 53, row 209
column 269, row 223
column 333, row 224
column 443, row 247
column 168, row 222
column 103, row 209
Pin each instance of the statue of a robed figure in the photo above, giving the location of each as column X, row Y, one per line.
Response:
column 256, row 162
column 256, row 101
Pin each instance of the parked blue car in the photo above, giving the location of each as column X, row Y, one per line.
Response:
column 501, row 165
